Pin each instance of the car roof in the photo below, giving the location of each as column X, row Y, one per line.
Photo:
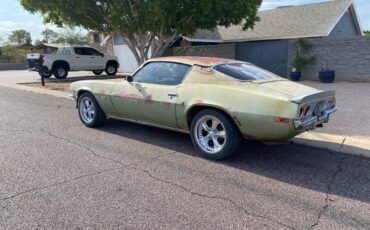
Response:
column 193, row 60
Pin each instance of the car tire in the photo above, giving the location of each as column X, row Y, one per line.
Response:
column 214, row 135
column 111, row 69
column 45, row 75
column 98, row 72
column 60, row 71
column 89, row 111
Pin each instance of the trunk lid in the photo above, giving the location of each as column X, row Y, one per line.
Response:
column 287, row 87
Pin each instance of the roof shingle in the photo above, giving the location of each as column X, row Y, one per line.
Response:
column 302, row 21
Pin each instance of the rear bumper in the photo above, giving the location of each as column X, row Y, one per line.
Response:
column 312, row 122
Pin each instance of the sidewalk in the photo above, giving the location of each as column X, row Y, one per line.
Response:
column 348, row 130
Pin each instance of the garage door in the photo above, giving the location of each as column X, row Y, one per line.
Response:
column 271, row 55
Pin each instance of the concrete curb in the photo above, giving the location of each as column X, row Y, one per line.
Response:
column 344, row 144
column 39, row 90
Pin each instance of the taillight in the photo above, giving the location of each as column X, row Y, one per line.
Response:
column 303, row 111
column 332, row 102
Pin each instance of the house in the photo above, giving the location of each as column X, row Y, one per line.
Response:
column 266, row 45
column 45, row 48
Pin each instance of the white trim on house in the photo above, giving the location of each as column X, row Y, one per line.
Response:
column 352, row 9
column 356, row 18
column 202, row 40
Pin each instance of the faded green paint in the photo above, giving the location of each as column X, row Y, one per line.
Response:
column 252, row 105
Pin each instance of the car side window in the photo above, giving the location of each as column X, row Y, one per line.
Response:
column 78, row 51
column 162, row 73
column 87, row 51
column 66, row 51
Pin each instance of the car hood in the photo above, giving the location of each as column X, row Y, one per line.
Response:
column 286, row 87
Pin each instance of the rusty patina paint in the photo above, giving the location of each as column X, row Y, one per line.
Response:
column 252, row 105
column 149, row 100
column 167, row 105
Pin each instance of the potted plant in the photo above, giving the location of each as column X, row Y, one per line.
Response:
column 326, row 75
column 301, row 61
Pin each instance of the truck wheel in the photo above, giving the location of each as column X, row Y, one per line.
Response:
column 214, row 134
column 111, row 69
column 45, row 75
column 60, row 72
column 98, row 72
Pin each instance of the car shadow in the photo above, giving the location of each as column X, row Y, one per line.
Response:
column 339, row 174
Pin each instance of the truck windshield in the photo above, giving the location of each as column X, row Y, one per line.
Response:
column 245, row 72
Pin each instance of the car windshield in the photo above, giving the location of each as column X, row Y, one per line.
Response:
column 245, row 72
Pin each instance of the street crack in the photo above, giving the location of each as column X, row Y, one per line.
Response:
column 152, row 176
column 327, row 200
column 57, row 183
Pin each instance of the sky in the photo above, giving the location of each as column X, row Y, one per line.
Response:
column 13, row 16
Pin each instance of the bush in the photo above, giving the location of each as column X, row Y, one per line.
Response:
column 10, row 54
column 301, row 61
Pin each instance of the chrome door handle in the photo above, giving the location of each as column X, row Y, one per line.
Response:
column 172, row 94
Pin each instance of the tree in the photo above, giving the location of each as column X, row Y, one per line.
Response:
column 147, row 24
column 38, row 42
column 48, row 34
column 367, row 32
column 20, row 37
column 70, row 37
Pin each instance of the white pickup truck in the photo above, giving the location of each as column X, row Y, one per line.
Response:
column 72, row 58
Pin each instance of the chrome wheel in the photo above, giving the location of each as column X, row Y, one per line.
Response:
column 87, row 110
column 210, row 134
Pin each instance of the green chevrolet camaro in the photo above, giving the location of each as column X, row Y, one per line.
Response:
column 217, row 101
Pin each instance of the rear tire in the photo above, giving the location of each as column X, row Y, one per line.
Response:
column 98, row 72
column 111, row 69
column 214, row 135
column 91, row 115
column 60, row 71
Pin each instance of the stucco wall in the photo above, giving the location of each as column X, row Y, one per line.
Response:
column 221, row 51
column 345, row 27
column 349, row 57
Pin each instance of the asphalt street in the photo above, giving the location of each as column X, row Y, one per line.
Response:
column 57, row 174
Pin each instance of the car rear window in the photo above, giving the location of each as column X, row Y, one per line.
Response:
column 245, row 72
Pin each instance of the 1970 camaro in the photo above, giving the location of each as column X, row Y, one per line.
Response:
column 218, row 101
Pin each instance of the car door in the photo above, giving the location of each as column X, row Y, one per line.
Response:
column 81, row 61
column 96, row 61
column 158, row 85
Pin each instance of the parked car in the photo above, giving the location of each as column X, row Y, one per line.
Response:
column 72, row 58
column 217, row 101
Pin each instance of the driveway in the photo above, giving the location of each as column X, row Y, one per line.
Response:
column 353, row 115
column 57, row 174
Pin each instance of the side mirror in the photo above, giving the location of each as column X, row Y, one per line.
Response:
column 129, row 78
column 101, row 54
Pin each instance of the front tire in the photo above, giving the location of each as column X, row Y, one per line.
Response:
column 214, row 135
column 91, row 115
column 60, row 72
column 111, row 69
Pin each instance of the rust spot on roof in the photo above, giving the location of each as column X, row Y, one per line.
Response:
column 205, row 61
